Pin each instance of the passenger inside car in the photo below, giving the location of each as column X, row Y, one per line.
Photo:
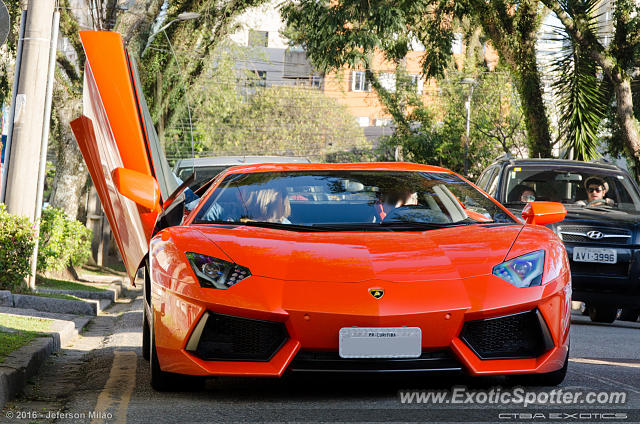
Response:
column 522, row 193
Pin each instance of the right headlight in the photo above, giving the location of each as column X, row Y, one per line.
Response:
column 523, row 271
column 215, row 273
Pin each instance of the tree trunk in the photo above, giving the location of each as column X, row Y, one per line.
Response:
column 536, row 121
column 626, row 120
column 71, row 172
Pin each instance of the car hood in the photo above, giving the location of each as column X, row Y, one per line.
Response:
column 609, row 216
column 443, row 254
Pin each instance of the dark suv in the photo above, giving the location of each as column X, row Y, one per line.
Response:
column 602, row 236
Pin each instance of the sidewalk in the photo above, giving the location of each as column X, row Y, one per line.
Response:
column 23, row 363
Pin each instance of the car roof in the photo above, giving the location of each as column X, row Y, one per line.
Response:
column 559, row 162
column 362, row 166
column 238, row 160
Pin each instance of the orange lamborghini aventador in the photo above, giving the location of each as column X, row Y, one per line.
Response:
column 274, row 268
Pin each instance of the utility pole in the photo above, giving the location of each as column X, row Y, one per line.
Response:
column 22, row 177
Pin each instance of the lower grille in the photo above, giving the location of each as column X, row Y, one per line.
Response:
column 228, row 338
column 523, row 335
column 331, row 362
column 620, row 269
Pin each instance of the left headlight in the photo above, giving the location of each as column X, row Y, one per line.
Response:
column 215, row 273
column 523, row 271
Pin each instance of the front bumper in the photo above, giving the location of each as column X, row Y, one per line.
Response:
column 607, row 284
column 312, row 324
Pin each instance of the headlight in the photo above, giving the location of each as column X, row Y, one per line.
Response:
column 216, row 273
column 523, row 271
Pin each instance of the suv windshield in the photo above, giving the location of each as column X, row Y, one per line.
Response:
column 579, row 187
column 348, row 199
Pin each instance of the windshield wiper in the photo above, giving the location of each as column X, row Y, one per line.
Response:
column 264, row 224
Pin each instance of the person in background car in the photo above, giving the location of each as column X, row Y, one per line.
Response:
column 528, row 195
column 596, row 189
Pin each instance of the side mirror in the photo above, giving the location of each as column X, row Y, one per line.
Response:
column 143, row 189
column 542, row 213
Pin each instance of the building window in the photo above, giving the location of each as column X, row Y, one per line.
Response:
column 316, row 82
column 359, row 82
column 384, row 122
column 260, row 79
column 258, row 38
column 363, row 121
column 388, row 81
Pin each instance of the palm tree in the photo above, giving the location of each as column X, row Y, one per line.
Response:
column 580, row 95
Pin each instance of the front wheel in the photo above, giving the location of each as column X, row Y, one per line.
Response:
column 552, row 378
column 162, row 381
column 629, row 314
column 146, row 335
column 605, row 314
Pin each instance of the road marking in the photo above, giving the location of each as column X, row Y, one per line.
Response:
column 117, row 391
column 601, row 362
column 607, row 381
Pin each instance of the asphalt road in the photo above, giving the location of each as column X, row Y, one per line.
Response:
column 103, row 374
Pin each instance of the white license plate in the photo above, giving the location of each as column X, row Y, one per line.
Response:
column 595, row 254
column 380, row 342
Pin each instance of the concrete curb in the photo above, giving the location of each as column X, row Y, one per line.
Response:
column 84, row 294
column 25, row 362
column 52, row 304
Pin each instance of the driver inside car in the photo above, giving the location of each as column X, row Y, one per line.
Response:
column 397, row 198
column 596, row 189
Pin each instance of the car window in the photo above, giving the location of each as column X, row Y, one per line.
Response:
column 567, row 185
column 162, row 170
column 485, row 177
column 315, row 198
column 492, row 184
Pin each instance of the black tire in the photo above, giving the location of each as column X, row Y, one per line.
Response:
column 146, row 333
column 552, row 378
column 605, row 314
column 585, row 309
column 629, row 314
column 162, row 381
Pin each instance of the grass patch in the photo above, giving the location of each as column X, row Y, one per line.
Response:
column 51, row 283
column 12, row 341
column 57, row 296
column 27, row 329
column 112, row 269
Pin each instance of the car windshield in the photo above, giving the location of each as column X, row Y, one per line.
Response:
column 203, row 174
column 349, row 199
column 575, row 187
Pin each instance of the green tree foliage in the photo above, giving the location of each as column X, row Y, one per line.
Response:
column 581, row 96
column 617, row 61
column 496, row 125
column 236, row 114
column 17, row 239
column 348, row 32
column 62, row 241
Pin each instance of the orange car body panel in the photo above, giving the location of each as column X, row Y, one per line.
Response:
column 437, row 292
column 116, row 140
column 313, row 283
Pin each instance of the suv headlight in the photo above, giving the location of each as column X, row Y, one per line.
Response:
column 215, row 273
column 523, row 271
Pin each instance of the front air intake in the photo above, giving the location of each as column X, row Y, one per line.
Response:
column 220, row 337
column 522, row 335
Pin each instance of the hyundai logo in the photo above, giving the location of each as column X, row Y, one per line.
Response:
column 595, row 235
